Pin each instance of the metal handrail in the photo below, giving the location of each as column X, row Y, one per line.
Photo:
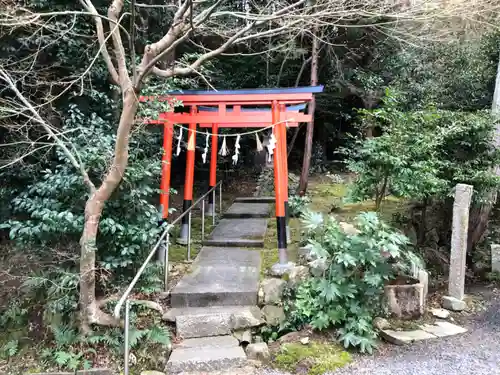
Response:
column 157, row 245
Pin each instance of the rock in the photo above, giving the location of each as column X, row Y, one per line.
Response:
column 152, row 373
column 495, row 257
column 348, row 229
column 150, row 305
column 245, row 319
column 273, row 315
column 305, row 254
column 259, row 352
column 443, row 329
column 405, row 337
column 258, row 339
column 273, row 290
column 132, row 358
column 318, row 267
column 381, row 323
column 453, row 304
column 440, row 313
column 278, row 270
column 243, row 336
column 297, row 275
column 304, row 340
column 423, row 278
column 169, row 316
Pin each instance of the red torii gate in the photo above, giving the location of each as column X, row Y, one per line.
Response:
column 251, row 108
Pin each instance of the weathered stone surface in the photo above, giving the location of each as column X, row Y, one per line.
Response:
column 318, row 267
column 242, row 210
column 259, row 352
column 273, row 290
column 206, row 359
column 440, row 313
column 460, row 226
column 443, row 329
column 405, row 301
column 152, row 373
column 243, row 336
column 208, row 342
column 381, row 323
column 453, row 304
column 239, row 233
column 150, row 305
column 405, row 337
column 423, row 278
column 495, row 257
column 221, row 276
column 278, row 269
column 297, row 274
column 245, row 319
column 305, row 254
column 273, row 315
column 304, row 340
column 208, row 321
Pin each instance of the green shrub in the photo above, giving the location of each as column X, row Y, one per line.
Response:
column 349, row 294
column 298, row 205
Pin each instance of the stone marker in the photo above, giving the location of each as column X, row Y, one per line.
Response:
column 440, row 313
column 453, row 304
column 443, row 329
column 460, row 227
column 495, row 257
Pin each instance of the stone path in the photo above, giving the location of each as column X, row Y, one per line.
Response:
column 224, row 281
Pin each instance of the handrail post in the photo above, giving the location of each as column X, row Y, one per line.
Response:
column 220, row 198
column 189, row 236
column 167, row 244
column 213, row 208
column 202, row 220
column 126, row 339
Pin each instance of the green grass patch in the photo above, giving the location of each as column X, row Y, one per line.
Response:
column 178, row 252
column 313, row 359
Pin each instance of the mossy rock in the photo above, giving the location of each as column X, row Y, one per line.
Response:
column 312, row 359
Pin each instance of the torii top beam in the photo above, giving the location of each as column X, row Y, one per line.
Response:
column 239, row 115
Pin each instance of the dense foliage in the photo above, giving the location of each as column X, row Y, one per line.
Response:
column 348, row 291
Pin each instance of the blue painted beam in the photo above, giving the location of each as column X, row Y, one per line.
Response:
column 287, row 90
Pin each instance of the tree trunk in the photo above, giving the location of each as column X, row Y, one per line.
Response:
column 304, row 176
column 89, row 309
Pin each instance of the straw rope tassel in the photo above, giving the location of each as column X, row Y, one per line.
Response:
column 259, row 143
column 223, row 149
column 236, row 150
column 271, row 146
column 179, row 140
column 205, row 151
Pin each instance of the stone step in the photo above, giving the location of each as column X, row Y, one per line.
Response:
column 206, row 355
column 255, row 199
column 207, row 322
column 238, row 233
column 243, row 210
column 220, row 277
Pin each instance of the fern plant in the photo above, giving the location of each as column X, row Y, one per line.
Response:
column 349, row 294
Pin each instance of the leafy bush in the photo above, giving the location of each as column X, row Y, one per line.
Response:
column 423, row 154
column 265, row 182
column 349, row 294
column 298, row 205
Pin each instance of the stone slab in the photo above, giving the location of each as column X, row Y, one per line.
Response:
column 208, row 342
column 239, row 233
column 172, row 314
column 223, row 256
column 443, row 329
column 216, row 285
column 243, row 210
column 205, row 359
column 256, row 199
column 405, row 337
column 206, row 325
column 495, row 257
column 95, row 371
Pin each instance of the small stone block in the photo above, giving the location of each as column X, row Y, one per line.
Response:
column 206, row 359
column 189, row 326
column 279, row 269
column 405, row 337
column 453, row 304
column 440, row 313
column 443, row 329
column 259, row 352
column 495, row 257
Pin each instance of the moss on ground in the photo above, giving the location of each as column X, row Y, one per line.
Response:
column 313, row 359
column 177, row 252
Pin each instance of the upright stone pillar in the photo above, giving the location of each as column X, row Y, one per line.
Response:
column 460, row 227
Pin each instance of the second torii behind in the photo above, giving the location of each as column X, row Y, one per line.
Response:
column 253, row 108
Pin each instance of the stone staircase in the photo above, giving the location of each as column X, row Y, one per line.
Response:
column 220, row 292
